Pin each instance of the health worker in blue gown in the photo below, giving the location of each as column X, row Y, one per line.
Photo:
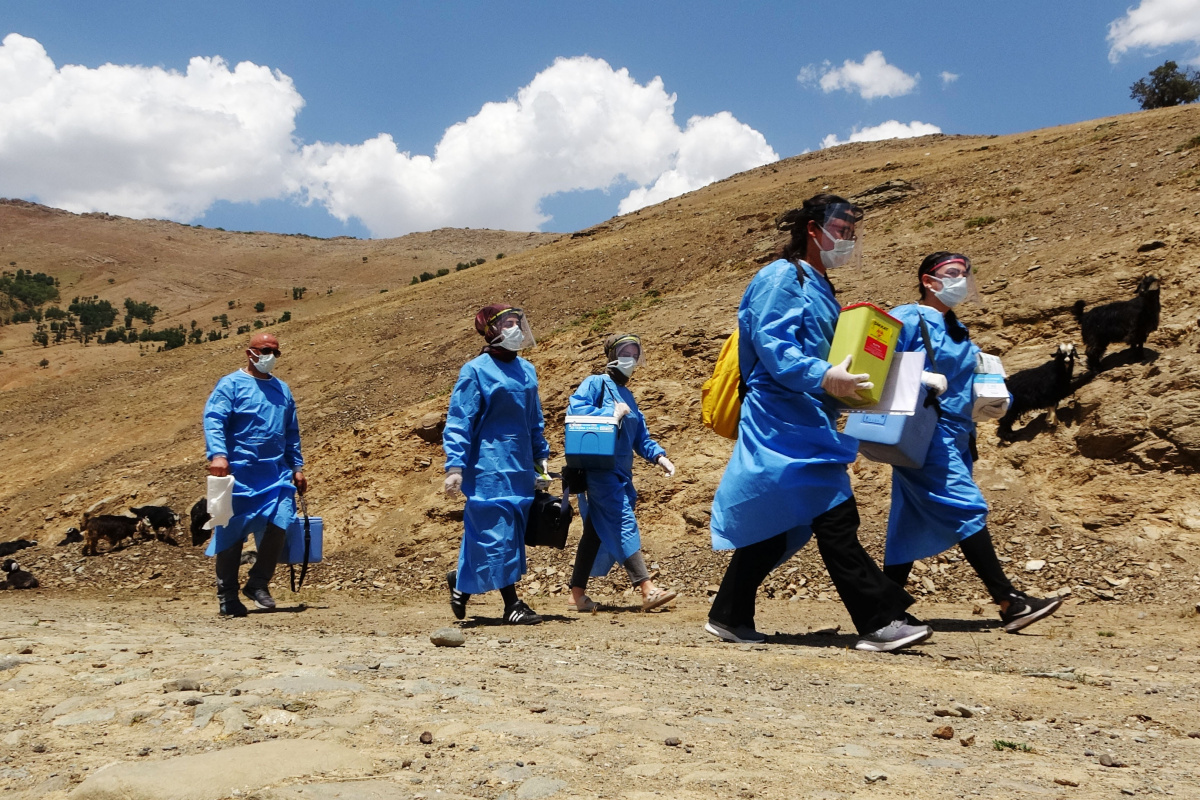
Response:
column 787, row 478
column 939, row 505
column 496, row 455
column 610, row 529
column 252, row 433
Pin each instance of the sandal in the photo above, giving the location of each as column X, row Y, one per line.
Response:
column 657, row 598
column 586, row 605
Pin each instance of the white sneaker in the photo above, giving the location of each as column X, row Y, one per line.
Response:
column 893, row 636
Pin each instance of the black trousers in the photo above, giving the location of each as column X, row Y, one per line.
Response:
column 981, row 555
column 585, row 557
column 871, row 598
column 229, row 559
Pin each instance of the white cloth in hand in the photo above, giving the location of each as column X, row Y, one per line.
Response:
column 933, row 380
column 620, row 411
column 220, row 501
column 667, row 467
column 840, row 382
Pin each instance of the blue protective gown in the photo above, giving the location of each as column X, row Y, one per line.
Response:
column 252, row 422
column 789, row 463
column 937, row 506
column 494, row 433
column 611, row 498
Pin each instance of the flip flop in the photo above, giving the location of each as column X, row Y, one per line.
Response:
column 586, row 605
column 657, row 598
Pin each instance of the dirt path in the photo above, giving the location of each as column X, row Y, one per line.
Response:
column 616, row 704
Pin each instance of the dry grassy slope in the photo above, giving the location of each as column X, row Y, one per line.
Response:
column 1109, row 492
column 192, row 273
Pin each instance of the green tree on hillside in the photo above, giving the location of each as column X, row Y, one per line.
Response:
column 1168, row 86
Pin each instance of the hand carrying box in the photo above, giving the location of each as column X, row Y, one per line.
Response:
column 899, row 439
column 868, row 335
column 293, row 545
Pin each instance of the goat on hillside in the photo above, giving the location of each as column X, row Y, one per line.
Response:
column 111, row 527
column 1130, row 321
column 8, row 548
column 13, row 577
column 1043, row 386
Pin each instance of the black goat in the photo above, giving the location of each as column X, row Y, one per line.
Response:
column 200, row 515
column 1129, row 321
column 1039, row 387
column 73, row 535
column 15, row 577
column 159, row 517
column 8, row 548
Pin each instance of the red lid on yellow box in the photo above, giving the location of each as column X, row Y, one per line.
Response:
column 872, row 305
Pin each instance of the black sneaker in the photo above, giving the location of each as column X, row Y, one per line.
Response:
column 739, row 634
column 458, row 600
column 231, row 606
column 261, row 597
column 1024, row 610
column 520, row 614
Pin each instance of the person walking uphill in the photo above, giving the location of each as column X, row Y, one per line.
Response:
column 252, row 433
column 787, row 479
column 939, row 505
column 496, row 453
column 608, row 504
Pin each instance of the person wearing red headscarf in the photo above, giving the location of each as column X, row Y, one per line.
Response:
column 496, row 453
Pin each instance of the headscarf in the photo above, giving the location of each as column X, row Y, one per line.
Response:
column 611, row 345
column 485, row 324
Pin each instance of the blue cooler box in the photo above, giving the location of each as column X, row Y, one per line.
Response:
column 293, row 544
column 898, row 439
column 591, row 442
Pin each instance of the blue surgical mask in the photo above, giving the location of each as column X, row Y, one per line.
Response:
column 953, row 291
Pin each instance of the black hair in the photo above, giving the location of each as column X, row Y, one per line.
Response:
column 815, row 209
column 954, row 328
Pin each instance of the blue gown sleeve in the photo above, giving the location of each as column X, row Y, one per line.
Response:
column 292, row 437
column 465, row 402
column 646, row 447
column 216, row 412
column 588, row 399
column 773, row 316
column 537, row 423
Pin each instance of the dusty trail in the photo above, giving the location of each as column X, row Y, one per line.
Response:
column 584, row 706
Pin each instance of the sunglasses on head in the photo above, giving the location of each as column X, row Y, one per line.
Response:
column 267, row 351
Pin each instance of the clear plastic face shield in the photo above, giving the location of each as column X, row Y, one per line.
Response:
column 840, row 238
column 952, row 281
column 512, row 330
column 627, row 347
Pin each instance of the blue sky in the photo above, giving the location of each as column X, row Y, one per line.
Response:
column 578, row 128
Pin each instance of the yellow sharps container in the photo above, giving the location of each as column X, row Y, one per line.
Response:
column 868, row 335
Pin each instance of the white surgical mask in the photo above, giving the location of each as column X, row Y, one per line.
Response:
column 953, row 291
column 625, row 365
column 265, row 363
column 842, row 250
column 510, row 339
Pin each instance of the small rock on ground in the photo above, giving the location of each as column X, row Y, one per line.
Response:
column 448, row 637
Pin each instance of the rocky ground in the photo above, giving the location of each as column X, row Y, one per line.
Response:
column 128, row 696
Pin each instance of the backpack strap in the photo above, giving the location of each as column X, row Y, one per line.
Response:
column 297, row 584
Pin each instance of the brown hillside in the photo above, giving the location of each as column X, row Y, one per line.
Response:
column 1106, row 496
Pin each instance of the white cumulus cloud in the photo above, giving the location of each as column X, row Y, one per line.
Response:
column 870, row 78
column 578, row 125
column 948, row 78
column 142, row 141
column 892, row 129
column 152, row 142
column 1154, row 24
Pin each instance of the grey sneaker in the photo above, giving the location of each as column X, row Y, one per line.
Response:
column 741, row 634
column 261, row 597
column 893, row 636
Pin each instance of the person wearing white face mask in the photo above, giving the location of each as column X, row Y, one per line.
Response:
column 787, row 478
column 251, row 432
column 496, row 454
column 939, row 505
column 610, row 529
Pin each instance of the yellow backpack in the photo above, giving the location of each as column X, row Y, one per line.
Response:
column 721, row 395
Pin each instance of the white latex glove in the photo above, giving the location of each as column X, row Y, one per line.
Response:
column 667, row 467
column 453, row 483
column 993, row 410
column 936, row 382
column 620, row 411
column 840, row 382
column 542, row 482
